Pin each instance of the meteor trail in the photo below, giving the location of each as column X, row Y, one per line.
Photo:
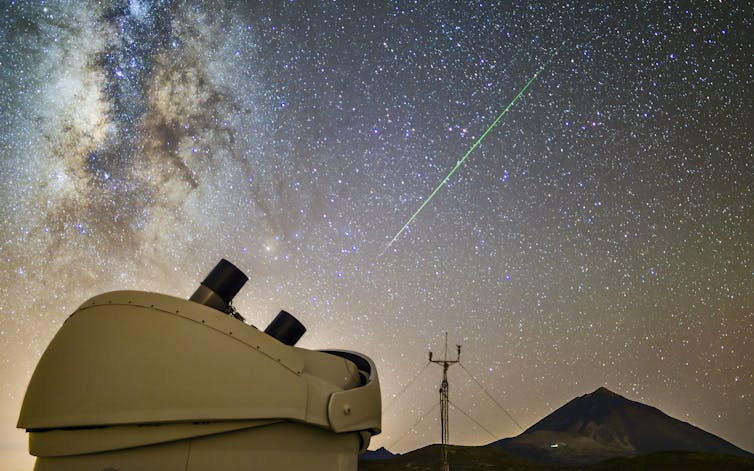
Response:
column 466, row 155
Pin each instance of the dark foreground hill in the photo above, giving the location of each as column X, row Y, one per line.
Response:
column 603, row 425
column 474, row 458
column 597, row 431
column 462, row 458
column 377, row 455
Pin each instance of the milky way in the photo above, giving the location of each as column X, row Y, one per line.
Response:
column 602, row 233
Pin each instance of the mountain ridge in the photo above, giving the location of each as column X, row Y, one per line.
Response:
column 604, row 424
column 597, row 430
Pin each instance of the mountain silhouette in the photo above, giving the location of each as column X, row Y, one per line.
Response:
column 379, row 454
column 604, row 425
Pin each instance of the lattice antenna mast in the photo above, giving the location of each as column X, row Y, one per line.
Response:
column 445, row 399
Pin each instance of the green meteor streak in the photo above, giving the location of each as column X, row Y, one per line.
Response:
column 466, row 156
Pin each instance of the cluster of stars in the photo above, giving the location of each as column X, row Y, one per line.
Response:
column 602, row 234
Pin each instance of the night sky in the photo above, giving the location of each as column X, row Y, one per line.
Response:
column 600, row 235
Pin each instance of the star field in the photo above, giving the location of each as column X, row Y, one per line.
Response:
column 601, row 234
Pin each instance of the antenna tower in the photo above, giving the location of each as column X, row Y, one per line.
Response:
column 444, row 399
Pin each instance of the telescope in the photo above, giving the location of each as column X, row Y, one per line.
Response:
column 141, row 381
